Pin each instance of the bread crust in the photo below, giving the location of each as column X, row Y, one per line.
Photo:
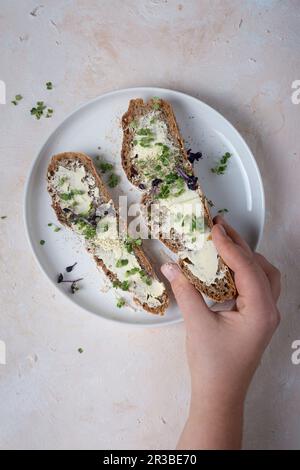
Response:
column 145, row 264
column 222, row 289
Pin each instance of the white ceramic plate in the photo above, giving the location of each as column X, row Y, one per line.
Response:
column 95, row 129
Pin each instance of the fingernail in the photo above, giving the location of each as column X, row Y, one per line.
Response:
column 170, row 270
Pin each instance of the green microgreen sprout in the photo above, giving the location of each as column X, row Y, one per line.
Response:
column 221, row 166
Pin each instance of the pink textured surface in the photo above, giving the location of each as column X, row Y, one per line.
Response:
column 130, row 388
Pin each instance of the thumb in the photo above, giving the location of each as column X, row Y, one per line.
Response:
column 190, row 301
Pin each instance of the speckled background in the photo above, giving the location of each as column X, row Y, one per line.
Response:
column 130, row 387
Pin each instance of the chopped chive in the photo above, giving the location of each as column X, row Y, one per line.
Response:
column 49, row 113
column 122, row 285
column 113, row 180
column 120, row 302
column 145, row 278
column 105, row 166
column 42, row 242
column 71, row 194
column 85, row 229
column 132, row 271
column 125, row 285
column 121, row 262
column 145, row 131
column 38, row 110
column 103, row 228
column 17, row 99
column 62, row 180
column 55, row 227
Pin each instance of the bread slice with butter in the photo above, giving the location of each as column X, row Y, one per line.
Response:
column 83, row 204
column 155, row 160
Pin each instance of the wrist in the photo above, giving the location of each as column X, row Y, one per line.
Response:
column 200, row 408
column 222, row 403
column 220, row 394
column 214, row 424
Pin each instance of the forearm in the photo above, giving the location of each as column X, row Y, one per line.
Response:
column 213, row 426
column 224, row 348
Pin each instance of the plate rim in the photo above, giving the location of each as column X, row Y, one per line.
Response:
column 25, row 202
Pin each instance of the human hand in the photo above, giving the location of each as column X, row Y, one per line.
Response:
column 224, row 348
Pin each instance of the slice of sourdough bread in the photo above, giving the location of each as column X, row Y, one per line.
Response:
column 155, row 160
column 83, row 204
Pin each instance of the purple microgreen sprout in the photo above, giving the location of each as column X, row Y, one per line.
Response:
column 74, row 286
column 156, row 182
column 194, row 156
column 70, row 268
column 191, row 181
column 74, row 283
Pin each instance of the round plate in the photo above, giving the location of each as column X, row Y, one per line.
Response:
column 95, row 130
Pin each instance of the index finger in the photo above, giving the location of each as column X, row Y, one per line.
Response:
column 272, row 273
column 234, row 235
